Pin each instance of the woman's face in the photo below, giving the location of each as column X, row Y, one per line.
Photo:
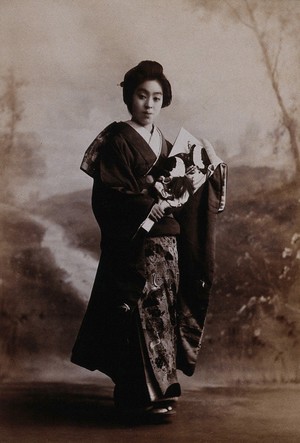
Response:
column 146, row 103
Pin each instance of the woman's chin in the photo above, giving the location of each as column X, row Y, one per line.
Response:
column 146, row 122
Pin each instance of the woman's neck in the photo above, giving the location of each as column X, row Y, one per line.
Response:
column 149, row 128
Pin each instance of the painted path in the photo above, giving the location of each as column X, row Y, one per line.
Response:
column 79, row 266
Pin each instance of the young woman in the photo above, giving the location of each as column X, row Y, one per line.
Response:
column 147, row 308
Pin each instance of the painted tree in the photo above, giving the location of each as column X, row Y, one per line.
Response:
column 12, row 110
column 274, row 24
column 19, row 151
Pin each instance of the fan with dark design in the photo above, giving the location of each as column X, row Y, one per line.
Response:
column 197, row 156
column 173, row 184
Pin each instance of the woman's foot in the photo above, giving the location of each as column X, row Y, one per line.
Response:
column 161, row 410
column 167, row 401
column 155, row 413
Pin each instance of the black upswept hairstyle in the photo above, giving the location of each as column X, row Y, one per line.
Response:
column 145, row 70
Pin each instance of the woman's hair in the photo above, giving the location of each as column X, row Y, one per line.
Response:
column 145, row 70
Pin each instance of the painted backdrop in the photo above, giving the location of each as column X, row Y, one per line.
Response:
column 234, row 69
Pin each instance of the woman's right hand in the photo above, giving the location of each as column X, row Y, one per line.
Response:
column 158, row 211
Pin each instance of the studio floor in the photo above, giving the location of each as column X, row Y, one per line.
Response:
column 84, row 412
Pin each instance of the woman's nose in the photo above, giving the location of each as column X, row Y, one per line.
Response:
column 149, row 103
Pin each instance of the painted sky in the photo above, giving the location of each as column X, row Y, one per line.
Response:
column 73, row 54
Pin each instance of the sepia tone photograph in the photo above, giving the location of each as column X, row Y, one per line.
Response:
column 150, row 221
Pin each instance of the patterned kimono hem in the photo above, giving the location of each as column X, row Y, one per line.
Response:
column 157, row 312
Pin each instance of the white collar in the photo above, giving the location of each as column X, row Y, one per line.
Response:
column 153, row 138
column 145, row 133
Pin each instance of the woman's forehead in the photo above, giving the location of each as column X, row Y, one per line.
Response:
column 150, row 86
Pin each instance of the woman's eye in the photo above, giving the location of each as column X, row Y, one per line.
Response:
column 157, row 99
column 142, row 97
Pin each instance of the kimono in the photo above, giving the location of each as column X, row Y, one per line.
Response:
column 146, row 313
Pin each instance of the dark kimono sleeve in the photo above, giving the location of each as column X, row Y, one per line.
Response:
column 119, row 204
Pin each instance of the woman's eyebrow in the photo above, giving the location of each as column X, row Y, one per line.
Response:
column 147, row 92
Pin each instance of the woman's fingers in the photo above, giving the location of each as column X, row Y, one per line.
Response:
column 156, row 212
